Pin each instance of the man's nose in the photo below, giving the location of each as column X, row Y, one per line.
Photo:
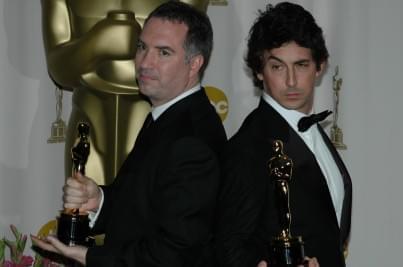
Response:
column 146, row 59
column 291, row 78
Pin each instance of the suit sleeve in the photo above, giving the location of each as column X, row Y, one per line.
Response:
column 239, row 208
column 183, row 198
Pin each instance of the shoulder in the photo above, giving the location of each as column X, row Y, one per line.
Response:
column 203, row 123
column 250, row 133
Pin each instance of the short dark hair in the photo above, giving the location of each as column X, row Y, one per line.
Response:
column 199, row 38
column 281, row 24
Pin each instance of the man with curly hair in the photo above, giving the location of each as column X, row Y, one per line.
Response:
column 286, row 54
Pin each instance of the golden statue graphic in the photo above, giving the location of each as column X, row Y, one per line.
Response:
column 336, row 133
column 285, row 249
column 90, row 46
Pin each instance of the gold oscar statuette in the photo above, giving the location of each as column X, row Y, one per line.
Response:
column 285, row 250
column 73, row 225
column 336, row 134
column 58, row 129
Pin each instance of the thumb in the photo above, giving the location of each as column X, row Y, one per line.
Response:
column 262, row 264
column 59, row 246
column 80, row 177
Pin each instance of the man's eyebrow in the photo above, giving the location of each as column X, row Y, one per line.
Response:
column 162, row 47
column 304, row 60
column 271, row 57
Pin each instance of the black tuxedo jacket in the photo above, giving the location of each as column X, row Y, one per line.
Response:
column 248, row 216
column 159, row 209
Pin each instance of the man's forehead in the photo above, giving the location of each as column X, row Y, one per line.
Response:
column 160, row 25
column 163, row 32
column 166, row 21
column 288, row 54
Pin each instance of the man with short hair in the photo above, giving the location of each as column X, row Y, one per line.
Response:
column 287, row 55
column 159, row 209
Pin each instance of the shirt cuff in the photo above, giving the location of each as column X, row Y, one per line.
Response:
column 93, row 216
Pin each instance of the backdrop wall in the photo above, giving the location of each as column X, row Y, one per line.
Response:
column 364, row 39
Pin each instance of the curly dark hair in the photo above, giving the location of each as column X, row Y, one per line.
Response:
column 280, row 24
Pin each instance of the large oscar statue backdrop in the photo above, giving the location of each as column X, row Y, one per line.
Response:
column 90, row 46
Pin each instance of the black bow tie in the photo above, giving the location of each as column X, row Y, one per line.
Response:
column 306, row 122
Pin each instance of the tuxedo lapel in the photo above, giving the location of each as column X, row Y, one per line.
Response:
column 275, row 127
column 152, row 133
column 347, row 201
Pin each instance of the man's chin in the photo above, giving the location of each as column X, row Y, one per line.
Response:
column 289, row 106
column 144, row 89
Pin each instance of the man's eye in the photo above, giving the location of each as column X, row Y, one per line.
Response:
column 164, row 52
column 303, row 64
column 276, row 67
column 140, row 46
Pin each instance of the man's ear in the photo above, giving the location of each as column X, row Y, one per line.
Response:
column 259, row 76
column 196, row 62
column 322, row 68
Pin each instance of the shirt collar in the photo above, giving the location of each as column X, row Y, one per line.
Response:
column 157, row 111
column 290, row 115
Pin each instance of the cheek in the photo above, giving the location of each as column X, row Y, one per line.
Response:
column 274, row 82
column 308, row 81
column 172, row 75
column 167, row 71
